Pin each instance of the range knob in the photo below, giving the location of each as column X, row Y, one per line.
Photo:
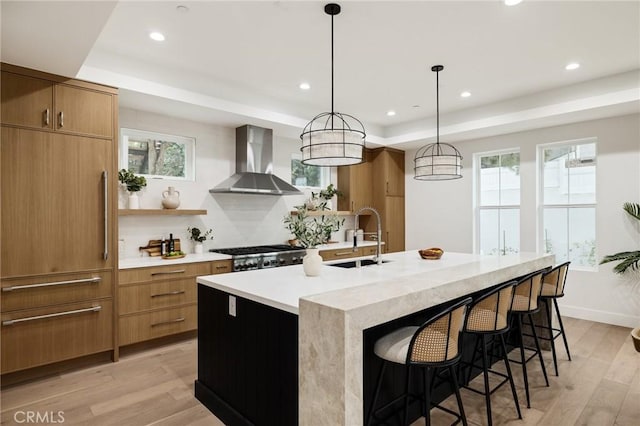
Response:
column 282, row 261
column 266, row 263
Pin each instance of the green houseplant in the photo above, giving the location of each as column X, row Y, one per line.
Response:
column 134, row 184
column 628, row 259
column 198, row 237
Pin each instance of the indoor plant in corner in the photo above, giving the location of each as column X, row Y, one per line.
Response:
column 628, row 260
column 310, row 233
column 198, row 238
column 133, row 184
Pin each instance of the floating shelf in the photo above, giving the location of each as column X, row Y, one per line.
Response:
column 160, row 212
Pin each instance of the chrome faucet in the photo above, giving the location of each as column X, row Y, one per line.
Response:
column 378, row 234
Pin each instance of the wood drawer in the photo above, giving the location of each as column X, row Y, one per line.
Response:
column 221, row 266
column 46, row 290
column 143, row 297
column 164, row 272
column 346, row 253
column 68, row 331
column 149, row 325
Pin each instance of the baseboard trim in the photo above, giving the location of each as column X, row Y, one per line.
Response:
column 599, row 316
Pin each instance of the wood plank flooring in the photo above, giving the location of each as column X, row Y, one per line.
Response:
column 601, row 386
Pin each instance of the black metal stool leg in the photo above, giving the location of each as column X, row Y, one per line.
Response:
column 564, row 337
column 376, row 392
column 456, row 389
column 485, row 372
column 513, row 386
column 547, row 305
column 524, row 361
column 405, row 420
column 535, row 338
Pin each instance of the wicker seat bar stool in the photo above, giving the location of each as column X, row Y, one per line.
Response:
column 436, row 344
column 526, row 295
column 487, row 321
column 553, row 283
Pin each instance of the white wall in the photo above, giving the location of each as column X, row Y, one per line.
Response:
column 441, row 213
column 237, row 220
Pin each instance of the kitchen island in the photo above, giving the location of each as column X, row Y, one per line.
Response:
column 277, row 347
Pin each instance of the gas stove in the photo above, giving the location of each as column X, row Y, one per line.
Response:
column 261, row 257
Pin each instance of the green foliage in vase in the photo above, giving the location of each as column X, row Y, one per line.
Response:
column 312, row 231
column 134, row 183
column 628, row 259
column 196, row 235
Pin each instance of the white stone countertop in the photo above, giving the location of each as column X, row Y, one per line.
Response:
column 142, row 262
column 342, row 288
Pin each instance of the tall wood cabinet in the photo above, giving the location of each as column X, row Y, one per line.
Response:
column 379, row 183
column 58, row 159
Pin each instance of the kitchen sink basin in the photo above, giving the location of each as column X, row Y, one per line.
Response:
column 352, row 264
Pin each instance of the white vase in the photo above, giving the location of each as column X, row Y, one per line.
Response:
column 197, row 248
column 170, row 198
column 134, row 201
column 312, row 262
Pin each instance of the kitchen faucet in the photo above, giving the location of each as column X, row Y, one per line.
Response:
column 378, row 257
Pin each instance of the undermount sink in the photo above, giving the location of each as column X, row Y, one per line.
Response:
column 352, row 264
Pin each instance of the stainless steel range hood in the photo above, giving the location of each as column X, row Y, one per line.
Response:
column 254, row 166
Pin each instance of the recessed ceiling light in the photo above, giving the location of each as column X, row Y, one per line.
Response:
column 512, row 2
column 572, row 66
column 156, row 36
column 182, row 8
column 415, row 106
column 305, row 86
column 391, row 113
column 465, row 94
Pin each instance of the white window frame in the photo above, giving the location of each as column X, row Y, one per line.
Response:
column 540, row 246
column 188, row 142
column 478, row 208
column 325, row 174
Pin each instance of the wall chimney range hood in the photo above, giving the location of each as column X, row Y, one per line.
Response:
column 254, row 166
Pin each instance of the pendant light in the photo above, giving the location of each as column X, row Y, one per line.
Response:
column 437, row 161
column 332, row 138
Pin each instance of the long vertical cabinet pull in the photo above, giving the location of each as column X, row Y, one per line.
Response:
column 46, row 117
column 105, row 179
column 61, row 120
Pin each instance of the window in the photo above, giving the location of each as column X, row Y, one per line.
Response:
column 308, row 176
column 498, row 203
column 568, row 194
column 156, row 155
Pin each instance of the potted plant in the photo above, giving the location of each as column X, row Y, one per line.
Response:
column 325, row 196
column 133, row 184
column 198, row 238
column 310, row 233
column 628, row 259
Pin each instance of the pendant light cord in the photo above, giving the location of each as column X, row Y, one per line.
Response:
column 331, row 71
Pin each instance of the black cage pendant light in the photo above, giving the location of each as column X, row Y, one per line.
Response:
column 438, row 161
column 332, row 138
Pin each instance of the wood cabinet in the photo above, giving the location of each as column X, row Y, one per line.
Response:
column 161, row 300
column 355, row 184
column 44, row 101
column 347, row 253
column 382, row 186
column 59, row 202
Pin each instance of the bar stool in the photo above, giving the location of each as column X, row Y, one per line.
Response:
column 487, row 318
column 433, row 345
column 553, row 283
column 525, row 303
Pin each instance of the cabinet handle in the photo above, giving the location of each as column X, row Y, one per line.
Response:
column 387, row 187
column 105, row 179
column 177, row 271
column 352, row 207
column 46, row 117
column 92, row 280
column 168, row 322
column 57, row 314
column 222, row 267
column 171, row 293
column 61, row 119
column 343, row 253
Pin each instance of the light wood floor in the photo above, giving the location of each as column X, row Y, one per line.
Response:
column 601, row 386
